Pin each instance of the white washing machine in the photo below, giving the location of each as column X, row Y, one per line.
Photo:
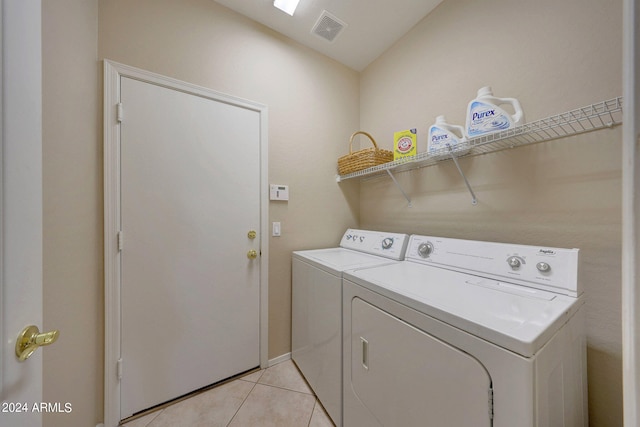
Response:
column 465, row 333
column 316, row 328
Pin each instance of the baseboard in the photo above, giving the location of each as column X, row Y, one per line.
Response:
column 279, row 359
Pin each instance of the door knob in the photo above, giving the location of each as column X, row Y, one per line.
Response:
column 252, row 234
column 30, row 339
column 252, row 254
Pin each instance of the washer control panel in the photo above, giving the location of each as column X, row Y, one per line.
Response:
column 389, row 245
column 551, row 269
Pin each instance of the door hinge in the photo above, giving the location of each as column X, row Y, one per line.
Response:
column 119, row 369
column 120, row 240
column 119, row 112
column 491, row 403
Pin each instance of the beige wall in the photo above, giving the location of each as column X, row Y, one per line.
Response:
column 553, row 56
column 313, row 108
column 201, row 42
column 72, row 218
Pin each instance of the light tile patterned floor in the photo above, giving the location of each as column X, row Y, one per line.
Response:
column 277, row 396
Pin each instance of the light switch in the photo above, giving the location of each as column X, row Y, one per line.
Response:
column 278, row 192
column 276, row 229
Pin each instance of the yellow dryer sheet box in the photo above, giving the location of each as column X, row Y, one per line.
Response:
column 405, row 144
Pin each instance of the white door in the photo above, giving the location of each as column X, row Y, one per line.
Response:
column 190, row 195
column 21, row 209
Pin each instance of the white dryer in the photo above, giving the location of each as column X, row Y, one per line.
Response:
column 316, row 327
column 465, row 333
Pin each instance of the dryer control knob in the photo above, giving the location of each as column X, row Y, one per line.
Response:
column 543, row 267
column 425, row 249
column 514, row 262
column 387, row 243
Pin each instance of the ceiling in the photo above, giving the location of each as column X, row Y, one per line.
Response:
column 372, row 26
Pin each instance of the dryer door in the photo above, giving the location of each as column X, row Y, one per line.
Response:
column 406, row 377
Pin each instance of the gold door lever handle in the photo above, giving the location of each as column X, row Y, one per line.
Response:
column 30, row 339
column 252, row 254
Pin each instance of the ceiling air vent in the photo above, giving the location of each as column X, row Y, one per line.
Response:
column 328, row 26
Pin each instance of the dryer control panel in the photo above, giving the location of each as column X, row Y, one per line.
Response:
column 388, row 245
column 546, row 268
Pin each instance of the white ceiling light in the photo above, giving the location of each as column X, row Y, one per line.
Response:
column 287, row 6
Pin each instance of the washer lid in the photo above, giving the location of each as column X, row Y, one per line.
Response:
column 337, row 260
column 517, row 318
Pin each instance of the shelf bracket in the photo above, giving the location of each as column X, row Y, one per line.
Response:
column 474, row 201
column 400, row 188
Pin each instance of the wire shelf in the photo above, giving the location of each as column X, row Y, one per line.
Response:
column 605, row 114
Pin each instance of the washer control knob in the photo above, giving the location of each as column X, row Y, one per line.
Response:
column 514, row 262
column 543, row 267
column 425, row 249
column 387, row 243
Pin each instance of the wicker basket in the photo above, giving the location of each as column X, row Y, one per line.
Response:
column 363, row 159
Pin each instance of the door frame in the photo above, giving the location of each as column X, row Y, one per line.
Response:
column 630, row 218
column 113, row 72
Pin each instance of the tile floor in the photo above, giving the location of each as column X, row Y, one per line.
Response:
column 277, row 396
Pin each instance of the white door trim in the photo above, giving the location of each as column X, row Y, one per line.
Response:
column 112, row 74
column 630, row 215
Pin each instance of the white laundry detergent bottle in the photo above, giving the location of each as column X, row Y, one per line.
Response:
column 484, row 114
column 442, row 135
